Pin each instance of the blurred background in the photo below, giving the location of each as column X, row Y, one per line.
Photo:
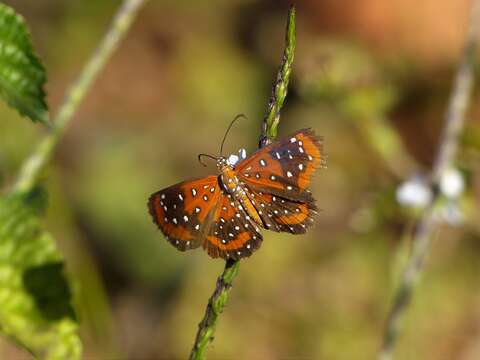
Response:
column 372, row 77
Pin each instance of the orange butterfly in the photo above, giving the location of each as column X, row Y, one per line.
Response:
column 224, row 213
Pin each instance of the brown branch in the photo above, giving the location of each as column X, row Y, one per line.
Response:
column 454, row 120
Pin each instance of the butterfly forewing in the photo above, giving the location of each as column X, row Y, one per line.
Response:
column 232, row 234
column 284, row 167
column 183, row 212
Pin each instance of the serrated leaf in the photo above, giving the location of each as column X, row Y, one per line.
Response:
column 35, row 296
column 22, row 76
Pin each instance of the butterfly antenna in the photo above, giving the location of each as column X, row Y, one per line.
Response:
column 228, row 129
column 206, row 155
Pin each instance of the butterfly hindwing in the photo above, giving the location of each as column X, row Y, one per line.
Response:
column 183, row 211
column 285, row 167
column 281, row 214
column 232, row 233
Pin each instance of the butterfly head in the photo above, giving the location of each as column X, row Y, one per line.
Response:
column 223, row 164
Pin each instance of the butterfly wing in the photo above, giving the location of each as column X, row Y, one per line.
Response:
column 281, row 214
column 184, row 211
column 285, row 167
column 232, row 234
column 277, row 178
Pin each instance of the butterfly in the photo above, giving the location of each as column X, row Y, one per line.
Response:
column 224, row 213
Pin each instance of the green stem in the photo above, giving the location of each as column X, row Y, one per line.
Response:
column 42, row 155
column 217, row 302
column 454, row 120
column 279, row 90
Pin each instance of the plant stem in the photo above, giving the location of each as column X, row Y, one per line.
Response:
column 454, row 119
column 217, row 302
column 280, row 88
column 42, row 155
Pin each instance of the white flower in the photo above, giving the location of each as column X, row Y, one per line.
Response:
column 451, row 183
column 414, row 193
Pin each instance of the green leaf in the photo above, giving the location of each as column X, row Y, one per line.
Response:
column 22, row 76
column 35, row 297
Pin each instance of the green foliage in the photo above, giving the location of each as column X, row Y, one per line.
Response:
column 35, row 296
column 362, row 93
column 22, row 76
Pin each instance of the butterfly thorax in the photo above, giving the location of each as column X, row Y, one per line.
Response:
column 236, row 188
